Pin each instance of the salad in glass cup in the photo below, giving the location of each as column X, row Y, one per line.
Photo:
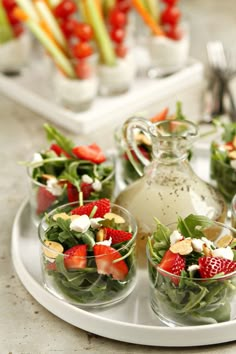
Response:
column 192, row 279
column 88, row 253
column 60, row 172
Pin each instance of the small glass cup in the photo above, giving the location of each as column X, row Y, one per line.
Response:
column 233, row 212
column 77, row 94
column 87, row 287
column 117, row 79
column 15, row 54
column 185, row 301
column 43, row 201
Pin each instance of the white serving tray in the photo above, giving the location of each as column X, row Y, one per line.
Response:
column 131, row 321
column 33, row 88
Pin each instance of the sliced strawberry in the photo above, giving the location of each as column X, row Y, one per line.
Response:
column 210, row 266
column 173, row 263
column 76, row 257
column 160, row 116
column 86, row 189
column 103, row 207
column 91, row 153
column 143, row 152
column 44, row 200
column 104, row 256
column 117, row 235
column 58, row 150
column 72, row 193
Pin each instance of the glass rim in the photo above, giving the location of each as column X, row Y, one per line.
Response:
column 233, row 205
column 159, row 269
column 194, row 133
column 41, row 230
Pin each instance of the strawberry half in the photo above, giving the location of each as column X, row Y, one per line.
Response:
column 91, row 153
column 86, row 189
column 210, row 266
column 117, row 235
column 103, row 207
column 172, row 263
column 72, row 193
column 76, row 257
column 44, row 200
column 104, row 257
column 59, row 151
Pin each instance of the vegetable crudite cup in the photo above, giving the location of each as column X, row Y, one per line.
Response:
column 61, row 171
column 88, row 253
column 192, row 279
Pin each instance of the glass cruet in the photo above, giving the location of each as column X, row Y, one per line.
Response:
column 168, row 186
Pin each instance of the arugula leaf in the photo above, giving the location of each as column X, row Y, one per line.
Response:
column 229, row 132
column 54, row 135
column 179, row 113
column 193, row 225
column 161, row 237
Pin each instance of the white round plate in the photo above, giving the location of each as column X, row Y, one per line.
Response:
column 131, row 321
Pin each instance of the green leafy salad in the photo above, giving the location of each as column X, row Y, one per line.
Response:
column 63, row 170
column 88, row 253
column 193, row 280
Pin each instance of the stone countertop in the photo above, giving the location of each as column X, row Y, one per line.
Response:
column 25, row 326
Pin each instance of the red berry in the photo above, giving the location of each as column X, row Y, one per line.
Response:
column 82, row 50
column 83, row 31
column 18, row 29
column 103, row 207
column 171, row 16
column 76, row 257
column 72, row 193
column 170, row 2
column 121, row 51
column 83, row 70
column 117, row 35
column 124, row 5
column 117, row 18
column 117, row 236
column 68, row 27
column 65, row 8
column 91, row 153
column 44, row 200
column 210, row 266
column 174, row 33
column 9, row 4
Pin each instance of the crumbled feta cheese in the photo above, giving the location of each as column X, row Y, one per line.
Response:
column 54, row 187
column 208, row 243
column 105, row 242
column 225, row 252
column 37, row 157
column 95, row 222
column 233, row 164
column 97, row 185
column 87, row 179
column 175, row 237
column 193, row 267
column 197, row 244
column 80, row 224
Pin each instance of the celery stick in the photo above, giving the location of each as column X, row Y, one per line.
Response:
column 53, row 26
column 6, row 33
column 59, row 57
column 28, row 7
column 101, row 33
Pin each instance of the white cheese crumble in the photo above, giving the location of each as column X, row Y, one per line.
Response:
column 87, row 179
column 193, row 267
column 54, row 187
column 97, row 185
column 221, row 252
column 105, row 242
column 80, row 224
column 175, row 237
column 197, row 244
column 95, row 222
column 37, row 157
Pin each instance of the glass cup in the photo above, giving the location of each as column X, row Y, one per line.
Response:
column 233, row 212
column 185, row 301
column 43, row 201
column 87, row 286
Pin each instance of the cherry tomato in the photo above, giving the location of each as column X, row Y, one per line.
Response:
column 83, row 70
column 18, row 29
column 117, row 18
column 124, row 5
column 65, row 8
column 170, row 2
column 121, row 51
column 68, row 27
column 83, row 31
column 82, row 50
column 117, row 35
column 9, row 4
column 170, row 15
column 174, row 33
column 12, row 18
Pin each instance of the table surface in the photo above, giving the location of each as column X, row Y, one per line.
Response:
column 25, row 326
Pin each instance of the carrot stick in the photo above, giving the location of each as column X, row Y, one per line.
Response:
column 20, row 14
column 147, row 18
column 160, row 116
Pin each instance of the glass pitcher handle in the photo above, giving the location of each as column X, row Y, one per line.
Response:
column 129, row 128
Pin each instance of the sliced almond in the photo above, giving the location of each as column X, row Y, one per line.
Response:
column 117, row 218
column 182, row 247
column 63, row 216
column 234, row 142
column 232, row 155
column 206, row 251
column 100, row 235
column 142, row 139
column 224, row 241
column 53, row 249
column 45, row 176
